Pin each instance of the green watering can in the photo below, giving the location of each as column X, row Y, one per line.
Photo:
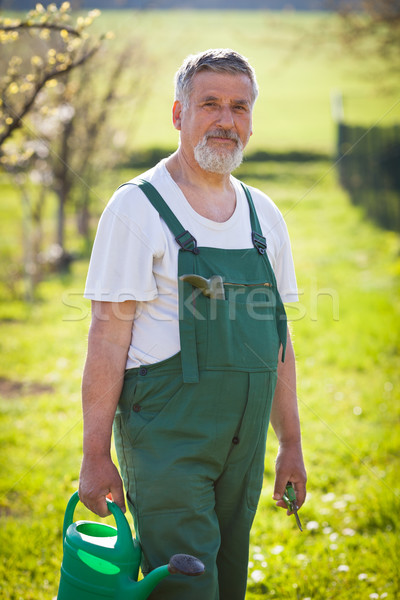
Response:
column 101, row 561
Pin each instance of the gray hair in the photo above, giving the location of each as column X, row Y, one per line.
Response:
column 220, row 60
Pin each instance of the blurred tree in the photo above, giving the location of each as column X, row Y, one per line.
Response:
column 78, row 122
column 34, row 52
column 63, row 123
column 372, row 26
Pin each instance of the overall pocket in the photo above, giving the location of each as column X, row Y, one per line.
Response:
column 241, row 330
column 152, row 397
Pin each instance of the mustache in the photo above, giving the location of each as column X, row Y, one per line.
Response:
column 223, row 133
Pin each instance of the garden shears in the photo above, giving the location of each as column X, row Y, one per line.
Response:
column 289, row 497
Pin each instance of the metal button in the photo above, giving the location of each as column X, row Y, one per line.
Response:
column 136, row 407
column 142, row 371
column 235, row 440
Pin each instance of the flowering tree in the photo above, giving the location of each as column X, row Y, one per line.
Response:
column 59, row 91
column 35, row 51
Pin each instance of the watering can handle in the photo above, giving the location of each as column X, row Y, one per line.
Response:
column 124, row 534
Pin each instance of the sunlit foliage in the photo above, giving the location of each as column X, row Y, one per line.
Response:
column 35, row 51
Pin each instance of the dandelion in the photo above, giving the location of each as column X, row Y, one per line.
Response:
column 258, row 556
column 312, row 525
column 277, row 549
column 348, row 531
column 257, row 575
column 301, row 557
column 362, row 576
column 328, row 497
column 373, row 596
column 349, row 498
column 343, row 568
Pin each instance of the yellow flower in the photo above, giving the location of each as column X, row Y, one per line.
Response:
column 44, row 34
column 13, row 88
column 36, row 61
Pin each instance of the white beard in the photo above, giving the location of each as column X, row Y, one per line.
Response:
column 219, row 160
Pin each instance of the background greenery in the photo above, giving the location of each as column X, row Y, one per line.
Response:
column 345, row 328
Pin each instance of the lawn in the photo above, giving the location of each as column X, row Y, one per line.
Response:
column 345, row 330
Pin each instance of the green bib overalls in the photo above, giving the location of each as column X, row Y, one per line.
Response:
column 190, row 431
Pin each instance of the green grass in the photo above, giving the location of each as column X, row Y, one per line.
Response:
column 345, row 328
column 346, row 338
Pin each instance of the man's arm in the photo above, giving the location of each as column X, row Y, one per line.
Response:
column 285, row 421
column 108, row 344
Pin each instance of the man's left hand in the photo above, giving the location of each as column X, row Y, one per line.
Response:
column 289, row 466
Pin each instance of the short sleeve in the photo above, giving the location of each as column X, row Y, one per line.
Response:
column 285, row 273
column 121, row 264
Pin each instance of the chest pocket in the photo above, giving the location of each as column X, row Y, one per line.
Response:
column 237, row 332
column 241, row 330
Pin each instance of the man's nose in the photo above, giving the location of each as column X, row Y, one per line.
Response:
column 225, row 118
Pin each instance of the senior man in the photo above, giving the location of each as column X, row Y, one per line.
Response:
column 189, row 356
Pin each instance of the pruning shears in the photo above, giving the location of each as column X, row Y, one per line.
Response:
column 289, row 497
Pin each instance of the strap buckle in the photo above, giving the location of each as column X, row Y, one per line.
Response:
column 259, row 242
column 187, row 242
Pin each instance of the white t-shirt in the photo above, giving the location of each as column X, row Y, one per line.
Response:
column 135, row 257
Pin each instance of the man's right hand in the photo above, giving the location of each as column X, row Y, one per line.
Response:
column 99, row 478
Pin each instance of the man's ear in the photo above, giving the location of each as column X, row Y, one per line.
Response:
column 177, row 114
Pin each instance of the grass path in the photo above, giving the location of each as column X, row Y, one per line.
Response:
column 345, row 329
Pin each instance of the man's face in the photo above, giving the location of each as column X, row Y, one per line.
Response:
column 216, row 125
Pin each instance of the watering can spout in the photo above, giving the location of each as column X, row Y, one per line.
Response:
column 140, row 590
column 184, row 564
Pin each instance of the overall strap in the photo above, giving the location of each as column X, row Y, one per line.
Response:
column 183, row 237
column 187, row 331
column 259, row 241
